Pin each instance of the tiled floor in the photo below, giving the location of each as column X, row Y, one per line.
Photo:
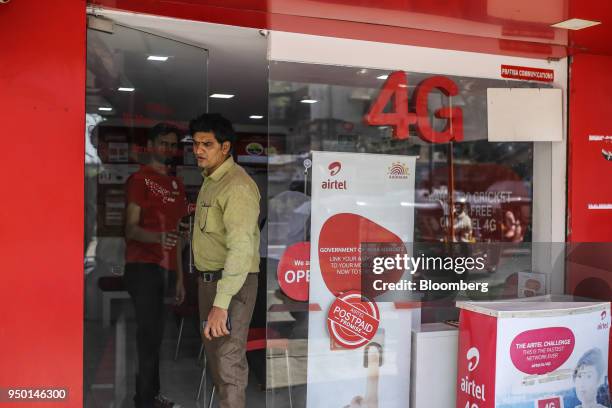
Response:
column 110, row 363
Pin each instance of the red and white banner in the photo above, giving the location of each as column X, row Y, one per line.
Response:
column 358, row 349
column 533, row 354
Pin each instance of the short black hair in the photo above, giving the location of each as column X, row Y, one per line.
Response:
column 215, row 123
column 162, row 129
column 593, row 358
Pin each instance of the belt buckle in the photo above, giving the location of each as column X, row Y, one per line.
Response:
column 207, row 277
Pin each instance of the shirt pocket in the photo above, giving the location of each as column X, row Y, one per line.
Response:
column 214, row 220
column 210, row 220
column 202, row 217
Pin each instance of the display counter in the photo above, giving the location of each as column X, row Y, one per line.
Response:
column 533, row 354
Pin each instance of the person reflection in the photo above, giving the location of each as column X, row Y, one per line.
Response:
column 588, row 376
column 463, row 223
column 156, row 202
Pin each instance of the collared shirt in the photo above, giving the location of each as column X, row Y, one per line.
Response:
column 226, row 232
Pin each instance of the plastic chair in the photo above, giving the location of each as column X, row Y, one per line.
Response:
column 256, row 340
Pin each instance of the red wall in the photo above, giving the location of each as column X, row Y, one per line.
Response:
column 589, row 174
column 588, row 272
column 42, row 91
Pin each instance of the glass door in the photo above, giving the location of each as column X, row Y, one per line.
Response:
column 136, row 82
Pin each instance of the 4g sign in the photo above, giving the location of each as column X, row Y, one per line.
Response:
column 550, row 403
column 395, row 89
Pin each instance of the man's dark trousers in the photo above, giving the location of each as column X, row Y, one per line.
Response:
column 145, row 284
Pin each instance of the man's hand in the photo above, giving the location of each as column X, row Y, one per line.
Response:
column 180, row 292
column 168, row 240
column 216, row 325
column 184, row 228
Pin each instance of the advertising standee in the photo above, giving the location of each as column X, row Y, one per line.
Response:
column 358, row 349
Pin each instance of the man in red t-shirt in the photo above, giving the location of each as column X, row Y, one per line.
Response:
column 156, row 202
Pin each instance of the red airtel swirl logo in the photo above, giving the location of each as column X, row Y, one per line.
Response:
column 334, row 168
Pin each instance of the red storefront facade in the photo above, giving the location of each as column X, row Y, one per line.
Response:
column 43, row 78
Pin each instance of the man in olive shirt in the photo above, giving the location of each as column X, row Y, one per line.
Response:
column 226, row 253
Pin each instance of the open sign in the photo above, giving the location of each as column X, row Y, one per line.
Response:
column 293, row 271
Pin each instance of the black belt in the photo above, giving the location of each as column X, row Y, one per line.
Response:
column 210, row 276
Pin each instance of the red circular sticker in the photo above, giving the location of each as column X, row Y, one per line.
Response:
column 293, row 271
column 352, row 323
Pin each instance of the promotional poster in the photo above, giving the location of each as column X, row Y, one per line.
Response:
column 358, row 349
column 533, row 355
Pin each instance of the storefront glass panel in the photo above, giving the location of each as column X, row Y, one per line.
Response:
column 135, row 81
column 470, row 198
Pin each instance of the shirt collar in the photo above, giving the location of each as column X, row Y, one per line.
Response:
column 221, row 170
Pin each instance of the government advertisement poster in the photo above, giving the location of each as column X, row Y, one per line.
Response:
column 358, row 349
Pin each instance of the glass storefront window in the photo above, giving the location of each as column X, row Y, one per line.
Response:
column 471, row 197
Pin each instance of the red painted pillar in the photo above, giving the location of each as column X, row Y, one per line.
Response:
column 42, row 111
column 589, row 175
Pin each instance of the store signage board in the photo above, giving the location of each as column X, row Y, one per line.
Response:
column 357, row 198
column 527, row 73
column 525, row 115
column 532, row 354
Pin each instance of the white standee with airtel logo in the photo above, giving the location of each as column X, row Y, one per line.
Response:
column 533, row 355
column 357, row 351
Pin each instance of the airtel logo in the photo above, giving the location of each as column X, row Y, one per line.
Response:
column 334, row 168
column 604, row 324
column 473, row 357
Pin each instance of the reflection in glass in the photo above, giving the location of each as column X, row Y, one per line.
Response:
column 127, row 94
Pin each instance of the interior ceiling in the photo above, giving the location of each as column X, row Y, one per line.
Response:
column 515, row 27
column 237, row 63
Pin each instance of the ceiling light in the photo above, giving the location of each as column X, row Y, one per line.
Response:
column 362, row 71
column 157, row 58
column 105, row 109
column 309, row 101
column 255, row 117
column 382, row 77
column 221, row 96
column 125, row 89
column 576, row 24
